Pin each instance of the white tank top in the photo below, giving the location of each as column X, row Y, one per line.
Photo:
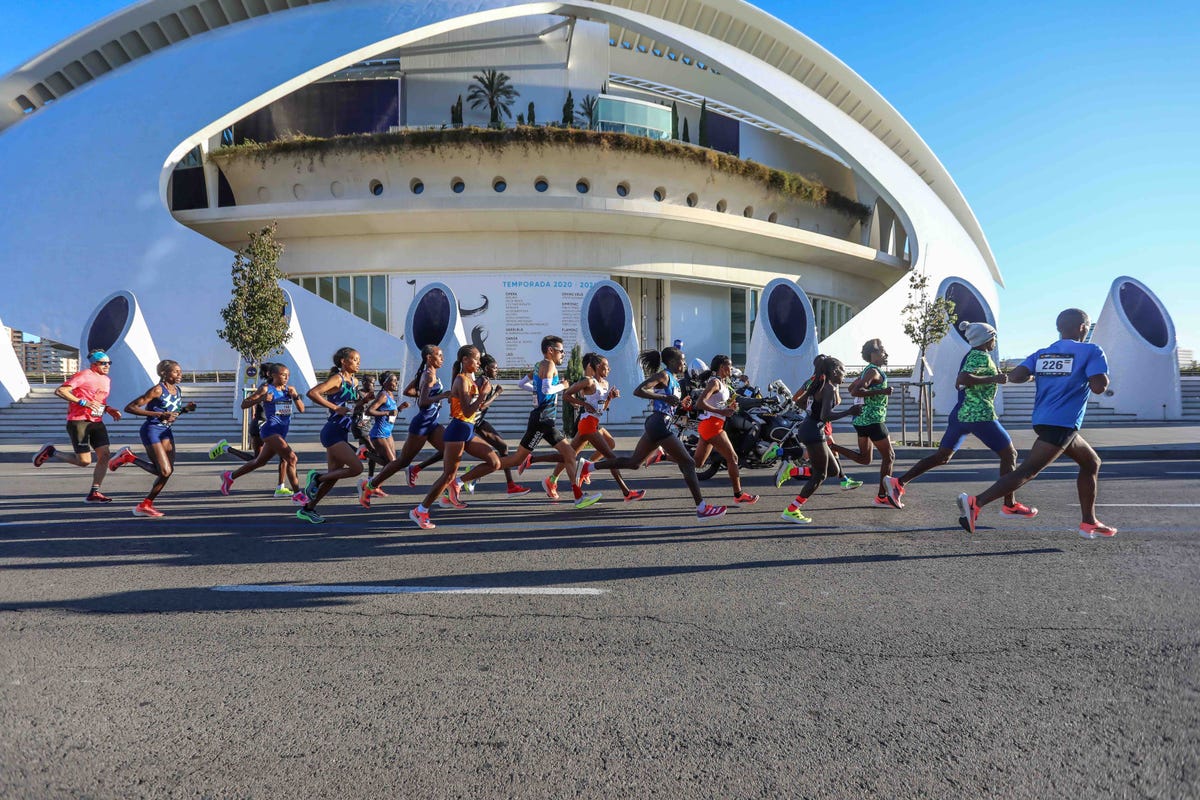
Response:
column 720, row 399
column 597, row 398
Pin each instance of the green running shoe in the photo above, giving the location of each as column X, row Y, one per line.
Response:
column 783, row 473
column 283, row 491
column 311, row 484
column 309, row 516
column 849, row 483
column 796, row 517
column 218, row 450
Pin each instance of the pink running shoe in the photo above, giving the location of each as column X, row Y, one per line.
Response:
column 635, row 494
column 584, row 468
column 1090, row 531
column 45, row 454
column 895, row 491
column 1018, row 510
column 123, row 457
column 300, row 499
column 226, row 482
column 525, row 464
column 654, row 457
column 970, row 512
column 515, row 489
column 362, row 452
column 146, row 509
column 364, row 493
column 422, row 519
column 746, row 499
column 884, row 502
column 378, row 493
column 94, row 497
column 551, row 488
column 454, row 492
column 711, row 512
column 412, row 475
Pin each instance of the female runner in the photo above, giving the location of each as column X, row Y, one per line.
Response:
column 278, row 400
column 341, row 395
column 717, row 403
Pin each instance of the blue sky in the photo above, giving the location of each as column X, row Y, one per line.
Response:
column 1071, row 128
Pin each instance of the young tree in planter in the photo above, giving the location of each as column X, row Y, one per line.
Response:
column 568, row 110
column 456, row 118
column 255, row 325
column 687, row 138
column 587, row 108
column 702, row 133
column 674, row 120
column 926, row 322
column 494, row 90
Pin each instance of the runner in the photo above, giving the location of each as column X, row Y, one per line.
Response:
column 973, row 415
column 1066, row 371
column 161, row 405
column 591, row 395
column 870, row 424
column 424, row 426
column 662, row 389
column 340, row 393
column 789, row 469
column 812, row 434
column 382, row 412
column 86, row 391
column 466, row 397
column 718, row 403
column 278, row 400
column 485, row 430
column 543, row 424
column 257, row 418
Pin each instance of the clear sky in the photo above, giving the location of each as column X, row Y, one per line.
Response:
column 1070, row 127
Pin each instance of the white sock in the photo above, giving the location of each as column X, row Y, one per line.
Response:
column 703, row 505
column 421, row 509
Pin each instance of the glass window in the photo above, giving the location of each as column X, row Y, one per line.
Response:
column 310, row 284
column 343, row 294
column 326, row 289
column 361, row 300
column 379, row 301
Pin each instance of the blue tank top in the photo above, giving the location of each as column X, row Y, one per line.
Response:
column 277, row 406
column 662, row 406
column 166, row 401
column 346, row 395
column 430, row 414
column 547, row 402
column 381, row 428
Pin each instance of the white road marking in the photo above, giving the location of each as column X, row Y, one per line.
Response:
column 1146, row 505
column 1183, row 473
column 340, row 589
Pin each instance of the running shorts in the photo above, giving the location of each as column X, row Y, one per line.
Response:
column 876, row 431
column 711, row 427
column 458, row 430
column 267, row 430
column 87, row 435
column 539, row 429
column 1056, row 435
column 588, row 425
column 152, row 433
column 992, row 434
column 382, row 429
column 421, row 425
column 333, row 432
column 659, row 426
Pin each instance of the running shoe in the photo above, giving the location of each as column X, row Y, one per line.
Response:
column 895, row 490
column 300, row 498
column 711, row 512
column 454, row 492
column 469, row 487
column 377, row 493
column 218, row 450
column 515, row 489
column 362, row 452
column 412, row 475
column 551, row 488
column 283, row 491
column 635, row 494
column 124, row 456
column 1018, row 510
column 783, row 473
column 94, row 498
column 883, row 502
column 1090, row 531
column 45, row 454
column 746, row 499
column 525, row 464
column 445, row 501
column 364, row 493
column 226, row 482
column 146, row 509
column 655, row 457
column 311, row 483
column 969, row 512
column 421, row 518
column 588, row 500
column 309, row 515
column 583, row 471
column 848, row 483
column 774, row 451
column 796, row 517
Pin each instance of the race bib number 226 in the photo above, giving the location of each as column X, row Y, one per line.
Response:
column 1055, row 364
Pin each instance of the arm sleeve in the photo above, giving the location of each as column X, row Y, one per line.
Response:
column 526, row 383
column 546, row 389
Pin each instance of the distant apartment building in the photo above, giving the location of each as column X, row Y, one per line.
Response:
column 1187, row 358
column 48, row 356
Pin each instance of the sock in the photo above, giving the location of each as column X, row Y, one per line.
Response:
column 283, row 486
column 95, row 487
column 421, row 509
column 575, row 490
column 795, row 504
column 702, row 507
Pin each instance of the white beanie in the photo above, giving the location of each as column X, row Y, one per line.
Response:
column 977, row 333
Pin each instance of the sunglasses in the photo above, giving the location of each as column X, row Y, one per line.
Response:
column 103, row 363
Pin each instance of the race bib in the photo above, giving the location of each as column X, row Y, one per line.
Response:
column 283, row 409
column 1051, row 364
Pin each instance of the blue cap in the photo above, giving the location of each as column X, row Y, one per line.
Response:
column 98, row 355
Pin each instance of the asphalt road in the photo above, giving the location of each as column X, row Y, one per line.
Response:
column 874, row 653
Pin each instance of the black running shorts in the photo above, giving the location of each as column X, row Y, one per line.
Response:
column 1056, row 435
column 86, row 435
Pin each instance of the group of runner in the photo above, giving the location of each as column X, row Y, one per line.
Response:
column 1066, row 372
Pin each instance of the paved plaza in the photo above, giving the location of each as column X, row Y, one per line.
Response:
column 528, row 650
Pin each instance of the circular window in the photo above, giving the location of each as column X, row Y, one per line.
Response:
column 299, row 192
column 1144, row 314
column 787, row 317
column 748, row 212
column 264, row 194
column 582, row 186
column 692, row 199
column 376, row 188
column 541, row 184
column 622, row 189
column 660, row 194
column 499, row 185
column 721, row 206
column 772, row 217
column 336, row 189
column 457, row 186
column 416, row 186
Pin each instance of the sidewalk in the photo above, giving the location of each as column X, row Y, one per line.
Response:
column 1141, row 440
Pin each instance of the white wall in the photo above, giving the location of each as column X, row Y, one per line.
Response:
column 699, row 315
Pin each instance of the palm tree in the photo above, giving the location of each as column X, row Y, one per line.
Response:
column 494, row 90
column 587, row 109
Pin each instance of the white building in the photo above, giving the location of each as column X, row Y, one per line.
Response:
column 145, row 101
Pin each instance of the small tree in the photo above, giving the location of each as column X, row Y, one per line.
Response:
column 456, row 117
column 926, row 322
column 494, row 90
column 520, row 119
column 686, row 137
column 587, row 108
column 702, row 133
column 568, row 110
column 574, row 372
column 674, row 120
column 529, row 115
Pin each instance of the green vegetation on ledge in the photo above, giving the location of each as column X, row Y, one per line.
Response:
column 788, row 184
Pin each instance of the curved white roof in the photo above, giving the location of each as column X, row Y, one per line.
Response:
column 152, row 25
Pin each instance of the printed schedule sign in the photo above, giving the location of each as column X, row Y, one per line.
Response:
column 507, row 316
